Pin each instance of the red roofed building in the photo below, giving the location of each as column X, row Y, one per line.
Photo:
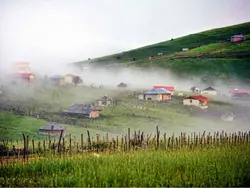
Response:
column 237, row 38
column 239, row 91
column 196, row 100
column 21, row 74
column 240, row 94
column 23, row 78
column 169, row 88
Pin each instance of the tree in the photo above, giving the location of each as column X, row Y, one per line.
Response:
column 193, row 88
column 76, row 80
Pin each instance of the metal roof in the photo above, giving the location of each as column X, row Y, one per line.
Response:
column 209, row 89
column 57, row 76
column 81, row 109
column 156, row 91
column 51, row 127
column 122, row 85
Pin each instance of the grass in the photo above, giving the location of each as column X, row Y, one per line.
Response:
column 225, row 166
column 226, row 68
column 205, row 48
column 240, row 47
column 175, row 45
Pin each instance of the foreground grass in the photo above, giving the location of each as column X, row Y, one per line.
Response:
column 221, row 166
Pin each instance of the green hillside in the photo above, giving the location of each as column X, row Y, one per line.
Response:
column 215, row 54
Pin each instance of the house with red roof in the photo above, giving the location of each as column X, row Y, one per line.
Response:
column 237, row 38
column 21, row 74
column 240, row 94
column 23, row 78
column 169, row 88
column 196, row 100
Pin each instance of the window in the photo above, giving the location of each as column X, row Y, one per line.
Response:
column 191, row 101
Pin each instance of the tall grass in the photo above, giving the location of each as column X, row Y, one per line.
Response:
column 221, row 166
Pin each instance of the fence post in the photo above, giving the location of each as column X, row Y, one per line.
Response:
column 157, row 137
column 24, row 147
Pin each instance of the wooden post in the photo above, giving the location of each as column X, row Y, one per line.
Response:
column 70, row 146
column 33, row 146
column 157, row 137
column 89, row 141
column 44, row 148
column 82, row 142
column 27, row 141
column 165, row 141
column 129, row 138
column 122, row 147
column 24, row 147
column 59, row 142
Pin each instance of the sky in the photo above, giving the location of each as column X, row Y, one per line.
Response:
column 50, row 32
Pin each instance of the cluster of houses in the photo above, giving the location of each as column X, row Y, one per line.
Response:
column 21, row 74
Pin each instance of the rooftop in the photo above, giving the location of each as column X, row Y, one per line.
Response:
column 169, row 88
column 199, row 97
column 156, row 91
column 51, row 127
column 81, row 109
column 209, row 89
column 122, row 85
column 56, row 76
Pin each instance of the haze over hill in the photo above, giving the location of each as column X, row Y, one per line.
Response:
column 59, row 31
column 211, row 56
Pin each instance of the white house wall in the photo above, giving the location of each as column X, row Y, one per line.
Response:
column 68, row 79
column 153, row 97
column 191, row 102
column 209, row 92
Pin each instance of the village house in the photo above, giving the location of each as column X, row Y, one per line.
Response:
column 169, row 88
column 240, row 94
column 122, row 86
column 21, row 74
column 83, row 110
column 198, row 100
column 68, row 78
column 157, row 94
column 209, row 91
column 184, row 49
column 237, row 38
column 104, row 101
column 24, row 78
column 51, row 129
column 57, row 80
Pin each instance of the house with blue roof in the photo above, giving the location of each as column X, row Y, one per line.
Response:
column 57, row 79
column 156, row 94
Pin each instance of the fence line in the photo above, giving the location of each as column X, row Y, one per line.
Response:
column 129, row 142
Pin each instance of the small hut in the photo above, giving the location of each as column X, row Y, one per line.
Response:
column 57, row 80
column 104, row 101
column 83, row 110
column 209, row 91
column 122, row 86
column 51, row 129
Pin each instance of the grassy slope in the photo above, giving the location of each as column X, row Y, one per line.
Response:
column 169, row 47
column 199, row 43
column 170, row 115
column 224, row 166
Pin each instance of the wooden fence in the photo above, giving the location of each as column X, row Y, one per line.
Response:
column 131, row 141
